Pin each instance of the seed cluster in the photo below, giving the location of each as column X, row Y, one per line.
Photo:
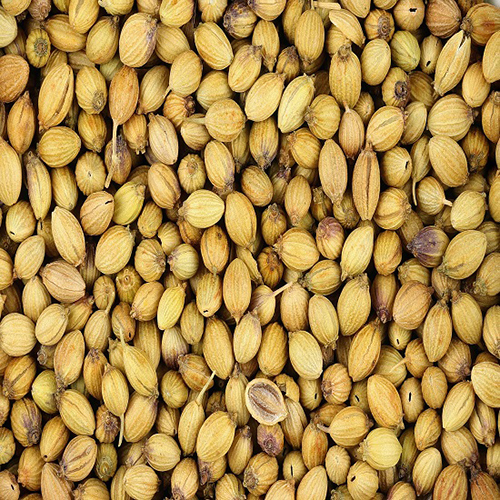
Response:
column 249, row 250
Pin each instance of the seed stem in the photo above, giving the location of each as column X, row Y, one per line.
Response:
column 323, row 427
column 397, row 365
column 114, row 156
column 325, row 5
column 122, row 428
column 282, row 289
column 205, row 388
column 200, row 120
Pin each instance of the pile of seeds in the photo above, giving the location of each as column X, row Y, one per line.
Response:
column 249, row 250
